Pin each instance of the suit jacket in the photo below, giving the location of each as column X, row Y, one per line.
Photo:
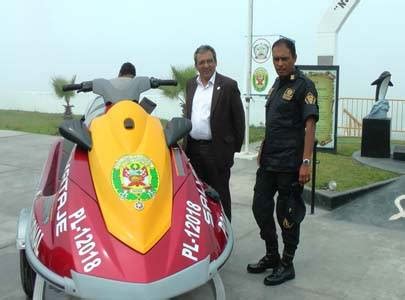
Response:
column 227, row 118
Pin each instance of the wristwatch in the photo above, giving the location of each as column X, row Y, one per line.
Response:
column 306, row 161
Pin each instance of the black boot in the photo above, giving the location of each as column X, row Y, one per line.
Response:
column 280, row 274
column 268, row 261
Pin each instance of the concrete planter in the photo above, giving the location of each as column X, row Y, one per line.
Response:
column 330, row 200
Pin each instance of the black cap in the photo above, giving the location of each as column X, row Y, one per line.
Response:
column 295, row 208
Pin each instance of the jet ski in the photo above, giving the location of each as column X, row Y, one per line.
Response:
column 119, row 212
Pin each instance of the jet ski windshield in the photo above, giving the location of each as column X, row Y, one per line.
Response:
column 109, row 93
column 130, row 91
column 96, row 108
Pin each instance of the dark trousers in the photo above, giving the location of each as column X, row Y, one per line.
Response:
column 267, row 184
column 202, row 158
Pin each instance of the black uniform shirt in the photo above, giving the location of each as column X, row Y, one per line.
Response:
column 289, row 103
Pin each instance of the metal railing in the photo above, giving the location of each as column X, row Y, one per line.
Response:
column 351, row 112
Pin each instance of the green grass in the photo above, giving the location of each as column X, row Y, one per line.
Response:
column 256, row 134
column 33, row 122
column 347, row 145
column 347, row 172
column 339, row 167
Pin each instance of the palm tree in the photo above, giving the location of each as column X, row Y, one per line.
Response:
column 58, row 83
column 181, row 75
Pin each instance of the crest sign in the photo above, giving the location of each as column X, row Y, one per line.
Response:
column 135, row 178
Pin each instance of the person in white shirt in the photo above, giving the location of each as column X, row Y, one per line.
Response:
column 214, row 106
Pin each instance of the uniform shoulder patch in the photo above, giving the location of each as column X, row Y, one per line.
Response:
column 310, row 98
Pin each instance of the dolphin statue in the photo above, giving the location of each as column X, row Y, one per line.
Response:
column 382, row 83
column 381, row 106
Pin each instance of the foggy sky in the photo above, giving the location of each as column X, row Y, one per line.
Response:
column 44, row 38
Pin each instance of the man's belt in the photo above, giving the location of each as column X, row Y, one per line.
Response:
column 201, row 142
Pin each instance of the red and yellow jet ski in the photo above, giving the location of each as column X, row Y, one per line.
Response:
column 119, row 212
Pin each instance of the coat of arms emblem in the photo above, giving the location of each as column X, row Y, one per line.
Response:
column 260, row 79
column 261, row 50
column 135, row 178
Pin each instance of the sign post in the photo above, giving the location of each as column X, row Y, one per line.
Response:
column 249, row 75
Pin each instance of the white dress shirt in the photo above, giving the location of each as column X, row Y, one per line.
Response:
column 201, row 110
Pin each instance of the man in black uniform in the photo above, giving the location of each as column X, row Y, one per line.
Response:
column 284, row 160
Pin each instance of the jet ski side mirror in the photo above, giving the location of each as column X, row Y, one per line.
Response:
column 77, row 132
column 148, row 105
column 176, row 129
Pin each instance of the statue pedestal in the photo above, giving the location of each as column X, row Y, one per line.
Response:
column 375, row 138
column 399, row 153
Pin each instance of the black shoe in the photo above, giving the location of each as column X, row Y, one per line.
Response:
column 280, row 274
column 266, row 262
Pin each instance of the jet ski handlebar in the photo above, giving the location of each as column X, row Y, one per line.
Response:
column 155, row 83
column 72, row 87
column 87, row 86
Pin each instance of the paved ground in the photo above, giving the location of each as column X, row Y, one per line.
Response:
column 353, row 252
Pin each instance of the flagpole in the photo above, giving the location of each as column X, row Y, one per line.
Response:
column 249, row 74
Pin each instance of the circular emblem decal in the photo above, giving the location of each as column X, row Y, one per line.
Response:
column 260, row 79
column 135, row 178
column 261, row 50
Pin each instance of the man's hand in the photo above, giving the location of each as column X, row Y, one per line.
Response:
column 304, row 174
column 305, row 169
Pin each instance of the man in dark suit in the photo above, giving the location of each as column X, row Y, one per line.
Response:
column 214, row 106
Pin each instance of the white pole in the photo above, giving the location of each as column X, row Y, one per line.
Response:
column 249, row 73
